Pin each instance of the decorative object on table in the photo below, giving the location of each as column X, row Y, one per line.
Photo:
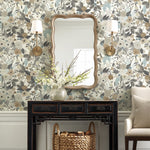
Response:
column 37, row 29
column 112, row 28
column 74, row 140
column 58, row 93
column 51, row 76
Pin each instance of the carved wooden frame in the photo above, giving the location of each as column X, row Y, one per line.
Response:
column 52, row 50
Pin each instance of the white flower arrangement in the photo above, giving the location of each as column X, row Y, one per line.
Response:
column 51, row 75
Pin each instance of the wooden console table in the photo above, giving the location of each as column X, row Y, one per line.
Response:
column 105, row 111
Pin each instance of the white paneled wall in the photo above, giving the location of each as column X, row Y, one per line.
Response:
column 13, row 132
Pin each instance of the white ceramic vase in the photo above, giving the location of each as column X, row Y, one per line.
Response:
column 58, row 94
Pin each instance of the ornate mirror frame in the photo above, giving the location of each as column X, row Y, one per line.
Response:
column 52, row 50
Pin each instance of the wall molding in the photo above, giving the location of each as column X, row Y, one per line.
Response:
column 13, row 129
column 15, row 116
column 122, row 115
column 13, row 148
column 21, row 116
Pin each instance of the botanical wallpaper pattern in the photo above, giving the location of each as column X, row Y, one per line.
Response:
column 130, row 66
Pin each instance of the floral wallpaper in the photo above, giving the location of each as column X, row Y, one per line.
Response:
column 130, row 66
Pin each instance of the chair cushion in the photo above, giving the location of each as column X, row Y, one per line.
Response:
column 141, row 92
column 141, row 112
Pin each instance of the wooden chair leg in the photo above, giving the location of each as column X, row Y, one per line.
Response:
column 126, row 143
column 134, row 144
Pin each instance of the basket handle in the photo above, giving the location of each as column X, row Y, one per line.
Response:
column 90, row 126
column 58, row 133
column 56, row 126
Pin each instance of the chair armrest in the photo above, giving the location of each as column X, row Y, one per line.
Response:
column 128, row 125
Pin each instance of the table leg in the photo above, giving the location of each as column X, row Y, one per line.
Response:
column 115, row 138
column 113, row 134
column 115, row 126
column 110, row 138
column 30, row 134
column 34, row 136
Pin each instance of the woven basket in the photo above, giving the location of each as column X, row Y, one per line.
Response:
column 74, row 142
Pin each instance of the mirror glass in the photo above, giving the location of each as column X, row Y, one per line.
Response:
column 75, row 35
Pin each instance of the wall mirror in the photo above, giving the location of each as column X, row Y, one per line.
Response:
column 73, row 34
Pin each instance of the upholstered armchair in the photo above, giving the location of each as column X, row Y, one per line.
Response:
column 137, row 126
